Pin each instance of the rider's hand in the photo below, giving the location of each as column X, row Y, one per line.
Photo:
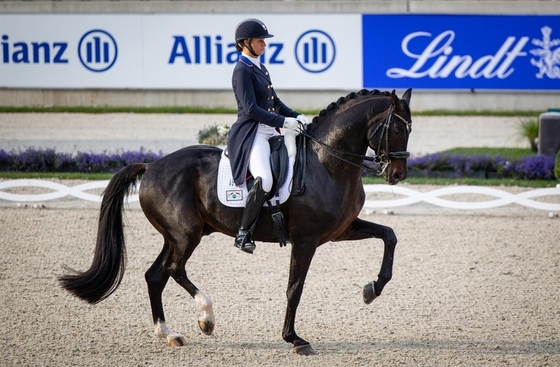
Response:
column 301, row 118
column 291, row 123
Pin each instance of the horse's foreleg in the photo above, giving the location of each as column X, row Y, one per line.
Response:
column 360, row 229
column 302, row 254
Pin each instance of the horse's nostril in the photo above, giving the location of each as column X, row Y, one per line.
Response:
column 398, row 176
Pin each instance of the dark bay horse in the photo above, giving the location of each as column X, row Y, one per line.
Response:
column 178, row 196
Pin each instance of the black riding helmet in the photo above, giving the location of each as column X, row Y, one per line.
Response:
column 250, row 28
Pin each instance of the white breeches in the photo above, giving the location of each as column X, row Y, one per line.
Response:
column 259, row 160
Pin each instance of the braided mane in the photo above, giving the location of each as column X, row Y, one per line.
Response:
column 353, row 95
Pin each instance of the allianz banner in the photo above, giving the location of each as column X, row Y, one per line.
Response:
column 493, row 52
column 163, row 51
column 308, row 51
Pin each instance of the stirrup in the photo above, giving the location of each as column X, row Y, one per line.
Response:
column 244, row 242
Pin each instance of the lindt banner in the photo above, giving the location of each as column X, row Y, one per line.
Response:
column 457, row 52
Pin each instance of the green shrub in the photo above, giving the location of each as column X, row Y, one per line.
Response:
column 529, row 129
column 213, row 135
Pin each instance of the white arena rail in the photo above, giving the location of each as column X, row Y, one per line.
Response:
column 409, row 196
column 433, row 197
column 60, row 191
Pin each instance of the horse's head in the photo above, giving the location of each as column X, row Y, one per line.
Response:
column 388, row 137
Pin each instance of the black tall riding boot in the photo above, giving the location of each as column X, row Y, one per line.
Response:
column 255, row 201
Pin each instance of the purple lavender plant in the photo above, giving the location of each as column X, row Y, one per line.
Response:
column 445, row 164
column 538, row 167
column 47, row 160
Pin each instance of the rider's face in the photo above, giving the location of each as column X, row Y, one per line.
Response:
column 258, row 45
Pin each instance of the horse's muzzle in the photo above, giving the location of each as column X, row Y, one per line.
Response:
column 394, row 175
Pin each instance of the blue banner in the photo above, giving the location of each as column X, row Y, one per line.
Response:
column 461, row 52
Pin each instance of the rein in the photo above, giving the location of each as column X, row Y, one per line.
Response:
column 382, row 159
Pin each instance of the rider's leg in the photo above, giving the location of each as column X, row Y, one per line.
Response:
column 259, row 159
column 259, row 165
column 253, row 206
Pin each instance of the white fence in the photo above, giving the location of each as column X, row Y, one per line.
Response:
column 406, row 195
column 433, row 197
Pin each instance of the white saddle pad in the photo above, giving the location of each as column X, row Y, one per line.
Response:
column 235, row 196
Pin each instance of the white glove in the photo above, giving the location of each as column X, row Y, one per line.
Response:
column 291, row 123
column 302, row 119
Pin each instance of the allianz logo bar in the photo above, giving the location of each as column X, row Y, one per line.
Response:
column 315, row 51
column 207, row 49
column 97, row 51
column 33, row 52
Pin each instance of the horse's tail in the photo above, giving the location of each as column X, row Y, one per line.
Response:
column 107, row 269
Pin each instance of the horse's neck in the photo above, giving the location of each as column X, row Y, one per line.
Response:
column 341, row 134
column 345, row 137
column 346, row 130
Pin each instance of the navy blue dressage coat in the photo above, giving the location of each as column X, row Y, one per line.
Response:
column 256, row 102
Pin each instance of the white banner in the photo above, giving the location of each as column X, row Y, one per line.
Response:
column 188, row 51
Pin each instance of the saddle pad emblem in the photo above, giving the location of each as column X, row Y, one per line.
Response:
column 235, row 196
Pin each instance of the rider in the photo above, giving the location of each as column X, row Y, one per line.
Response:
column 260, row 114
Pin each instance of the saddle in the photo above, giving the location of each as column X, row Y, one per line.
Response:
column 280, row 165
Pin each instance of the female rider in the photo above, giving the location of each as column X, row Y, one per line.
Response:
column 260, row 114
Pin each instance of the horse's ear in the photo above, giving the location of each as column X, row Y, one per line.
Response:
column 407, row 95
column 394, row 98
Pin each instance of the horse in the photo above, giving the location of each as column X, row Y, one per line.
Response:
column 178, row 196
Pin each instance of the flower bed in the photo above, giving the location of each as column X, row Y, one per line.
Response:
column 481, row 166
column 48, row 160
column 432, row 165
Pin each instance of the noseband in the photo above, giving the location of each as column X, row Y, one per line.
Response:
column 382, row 159
column 385, row 159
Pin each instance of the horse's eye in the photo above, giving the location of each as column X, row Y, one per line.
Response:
column 396, row 129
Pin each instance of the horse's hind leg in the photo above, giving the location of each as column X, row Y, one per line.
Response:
column 207, row 321
column 157, row 278
column 171, row 262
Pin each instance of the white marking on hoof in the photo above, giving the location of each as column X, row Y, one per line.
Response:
column 176, row 340
column 164, row 332
column 207, row 321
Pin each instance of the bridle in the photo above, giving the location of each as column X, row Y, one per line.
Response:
column 384, row 160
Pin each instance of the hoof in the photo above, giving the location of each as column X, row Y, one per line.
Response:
column 304, row 350
column 176, row 340
column 207, row 327
column 369, row 293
